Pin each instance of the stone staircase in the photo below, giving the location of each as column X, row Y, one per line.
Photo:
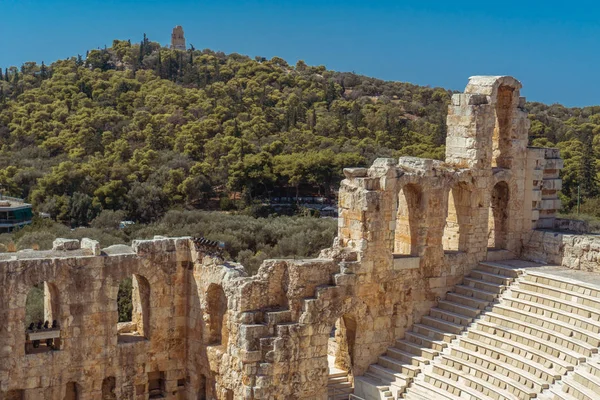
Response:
column 262, row 329
column 338, row 385
column 408, row 357
column 542, row 330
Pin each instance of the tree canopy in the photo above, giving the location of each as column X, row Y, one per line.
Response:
column 146, row 129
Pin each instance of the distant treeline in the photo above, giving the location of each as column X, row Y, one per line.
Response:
column 145, row 129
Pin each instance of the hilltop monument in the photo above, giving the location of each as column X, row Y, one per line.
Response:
column 177, row 38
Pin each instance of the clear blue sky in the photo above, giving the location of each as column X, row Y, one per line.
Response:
column 553, row 48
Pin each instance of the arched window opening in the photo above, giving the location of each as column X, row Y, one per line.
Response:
column 133, row 305
column 501, row 139
column 458, row 219
column 41, row 319
column 72, row 392
column 108, row 388
column 216, row 302
column 408, row 219
column 340, row 355
column 498, row 217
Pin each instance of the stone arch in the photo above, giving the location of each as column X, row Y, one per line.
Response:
column 409, row 213
column 72, row 391
column 133, row 306
column 502, row 135
column 458, row 218
column 109, row 385
column 344, row 339
column 42, row 303
column 216, row 302
column 498, row 216
column 41, row 318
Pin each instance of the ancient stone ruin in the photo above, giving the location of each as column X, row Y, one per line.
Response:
column 177, row 39
column 447, row 280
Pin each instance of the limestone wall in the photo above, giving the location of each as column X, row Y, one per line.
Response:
column 409, row 230
column 569, row 250
column 90, row 358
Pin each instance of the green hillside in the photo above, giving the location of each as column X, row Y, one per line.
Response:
column 145, row 129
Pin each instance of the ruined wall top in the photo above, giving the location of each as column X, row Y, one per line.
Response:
column 488, row 85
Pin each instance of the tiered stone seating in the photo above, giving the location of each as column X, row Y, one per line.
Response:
column 583, row 384
column 541, row 329
column 402, row 362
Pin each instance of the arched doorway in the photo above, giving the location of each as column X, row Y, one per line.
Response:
column 72, row 392
column 340, row 356
column 41, row 319
column 457, row 219
column 408, row 219
column 498, row 217
column 109, row 385
column 216, row 302
column 133, row 305
column 501, row 138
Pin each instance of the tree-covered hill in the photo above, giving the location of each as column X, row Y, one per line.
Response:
column 145, row 129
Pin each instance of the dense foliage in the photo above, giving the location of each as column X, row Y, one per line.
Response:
column 247, row 239
column 34, row 305
column 147, row 129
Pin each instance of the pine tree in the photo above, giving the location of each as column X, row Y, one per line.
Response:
column 141, row 55
column 158, row 64
column 6, row 74
column 1, row 76
column 44, row 71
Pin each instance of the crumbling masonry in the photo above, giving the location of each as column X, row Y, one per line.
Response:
column 409, row 230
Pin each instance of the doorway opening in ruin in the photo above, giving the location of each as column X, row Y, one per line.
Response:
column 408, row 219
column 109, row 385
column 71, row 392
column 156, row 385
column 15, row 394
column 501, row 138
column 202, row 388
column 41, row 319
column 133, row 306
column 458, row 224
column 216, row 302
column 498, row 217
column 340, row 356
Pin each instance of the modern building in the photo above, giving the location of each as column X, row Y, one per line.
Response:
column 14, row 213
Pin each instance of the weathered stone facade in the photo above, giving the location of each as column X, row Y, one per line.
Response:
column 409, row 230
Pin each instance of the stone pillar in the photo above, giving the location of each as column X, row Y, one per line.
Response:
column 551, row 184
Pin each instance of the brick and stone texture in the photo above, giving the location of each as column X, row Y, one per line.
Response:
column 409, row 230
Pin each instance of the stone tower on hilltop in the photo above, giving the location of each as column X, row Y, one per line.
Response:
column 177, row 38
